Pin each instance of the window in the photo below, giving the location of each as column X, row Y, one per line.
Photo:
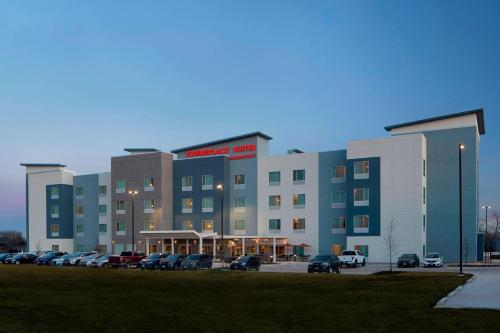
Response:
column 338, row 199
column 239, row 225
column 299, row 176
column 362, row 248
column 55, row 248
column 79, row 191
column 54, row 192
column 207, row 182
column 274, row 201
column 149, row 205
column 274, row 178
column 149, row 226
column 423, row 223
column 338, row 224
column 79, row 211
column 299, row 200
column 299, row 224
column 274, row 225
column 208, row 225
column 239, row 204
column 423, row 195
column 187, row 205
column 120, row 228
column 207, row 204
column 149, row 184
column 103, row 228
column 103, row 209
column 187, row 183
column 187, row 225
column 120, row 207
column 423, row 168
column 120, row 186
column 239, row 182
column 54, row 211
column 79, row 228
column 338, row 174
column 361, row 223
column 103, row 190
column 361, row 170
column 54, row 230
column 361, row 197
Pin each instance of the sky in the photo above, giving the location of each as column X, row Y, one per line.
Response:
column 80, row 81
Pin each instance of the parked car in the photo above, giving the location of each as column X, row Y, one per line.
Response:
column 433, row 259
column 172, row 262
column 47, row 258
column 197, row 261
column 152, row 261
column 244, row 263
column 85, row 261
column 76, row 257
column 100, row 262
column 324, row 263
column 22, row 258
column 63, row 260
column 126, row 259
column 409, row 260
column 352, row 258
column 5, row 256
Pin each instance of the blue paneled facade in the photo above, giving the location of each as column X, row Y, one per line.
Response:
column 64, row 217
column 86, row 225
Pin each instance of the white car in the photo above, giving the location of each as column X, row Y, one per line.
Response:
column 433, row 259
column 352, row 258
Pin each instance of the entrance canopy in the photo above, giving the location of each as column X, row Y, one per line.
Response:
column 178, row 234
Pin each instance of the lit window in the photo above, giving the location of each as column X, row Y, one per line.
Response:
column 187, row 205
column 299, row 224
column 361, row 196
column 274, row 201
column 299, row 176
column 79, row 210
column 54, row 230
column 299, row 200
column 149, row 182
column 274, row 177
column 208, row 225
column 338, row 173
column 149, row 203
column 187, row 225
column 149, row 226
column 361, row 169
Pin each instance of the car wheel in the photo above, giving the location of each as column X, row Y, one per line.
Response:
column 364, row 262
column 355, row 263
column 127, row 265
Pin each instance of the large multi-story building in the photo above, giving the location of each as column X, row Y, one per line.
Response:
column 294, row 204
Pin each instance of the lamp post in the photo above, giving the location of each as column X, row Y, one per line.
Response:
column 460, row 148
column 220, row 187
column 486, row 231
column 132, row 196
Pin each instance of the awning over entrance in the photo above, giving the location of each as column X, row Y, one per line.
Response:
column 178, row 234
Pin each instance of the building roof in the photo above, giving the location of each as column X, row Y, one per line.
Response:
column 140, row 150
column 41, row 165
column 478, row 112
column 234, row 138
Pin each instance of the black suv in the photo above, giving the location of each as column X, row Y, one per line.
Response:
column 172, row 262
column 197, row 261
column 409, row 260
column 324, row 263
column 244, row 263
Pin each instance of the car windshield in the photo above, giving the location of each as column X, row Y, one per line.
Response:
column 48, row 255
column 321, row 258
column 104, row 257
column 432, row 255
column 154, row 256
column 75, row 255
column 242, row 259
column 348, row 253
column 172, row 257
column 407, row 256
column 194, row 257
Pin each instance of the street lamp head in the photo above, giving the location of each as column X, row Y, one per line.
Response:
column 484, row 207
column 220, row 186
column 133, row 192
column 461, row 146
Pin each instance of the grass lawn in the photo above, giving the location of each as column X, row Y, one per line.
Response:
column 50, row 299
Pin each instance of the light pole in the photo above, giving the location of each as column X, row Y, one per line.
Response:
column 220, row 187
column 132, row 196
column 486, row 232
column 460, row 148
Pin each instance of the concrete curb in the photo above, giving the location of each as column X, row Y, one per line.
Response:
column 452, row 293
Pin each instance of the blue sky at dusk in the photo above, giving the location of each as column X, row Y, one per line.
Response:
column 79, row 81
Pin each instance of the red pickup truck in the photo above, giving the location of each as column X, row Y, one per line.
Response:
column 126, row 259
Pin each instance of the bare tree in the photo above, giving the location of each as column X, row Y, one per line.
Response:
column 390, row 240
column 12, row 240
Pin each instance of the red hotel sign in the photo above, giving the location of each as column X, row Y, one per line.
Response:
column 242, row 152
